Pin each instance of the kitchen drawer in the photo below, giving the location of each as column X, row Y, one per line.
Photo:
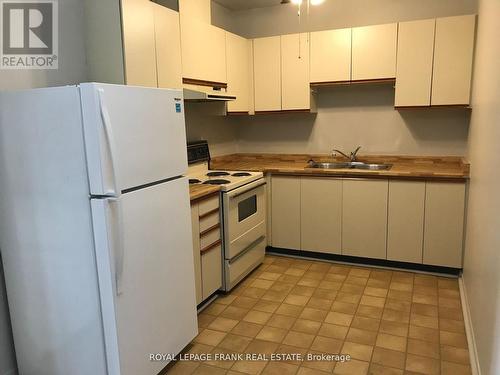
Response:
column 242, row 265
column 207, row 205
column 209, row 238
column 211, row 270
column 209, row 221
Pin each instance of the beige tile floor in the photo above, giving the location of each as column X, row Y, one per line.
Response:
column 389, row 322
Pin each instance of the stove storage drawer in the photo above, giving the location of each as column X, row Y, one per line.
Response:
column 236, row 269
column 238, row 245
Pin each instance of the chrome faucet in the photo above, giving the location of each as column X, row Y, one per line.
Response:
column 352, row 157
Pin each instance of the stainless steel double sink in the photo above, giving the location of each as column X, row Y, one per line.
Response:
column 349, row 165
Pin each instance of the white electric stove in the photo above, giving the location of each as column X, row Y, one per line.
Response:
column 243, row 215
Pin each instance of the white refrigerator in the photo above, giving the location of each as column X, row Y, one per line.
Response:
column 95, row 228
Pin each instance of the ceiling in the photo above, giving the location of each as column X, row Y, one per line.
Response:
column 247, row 4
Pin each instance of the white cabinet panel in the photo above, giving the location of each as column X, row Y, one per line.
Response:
column 331, row 55
column 203, row 48
column 295, row 91
column 405, row 222
column 139, row 43
column 195, row 225
column 168, row 47
column 374, row 52
column 211, row 266
column 267, row 73
column 414, row 65
column 364, row 218
column 444, row 223
column 285, row 215
column 321, row 214
column 238, row 72
column 453, row 54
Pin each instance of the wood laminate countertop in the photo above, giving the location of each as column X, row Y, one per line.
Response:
column 200, row 191
column 407, row 167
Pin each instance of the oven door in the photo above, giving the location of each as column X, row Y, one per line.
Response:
column 244, row 217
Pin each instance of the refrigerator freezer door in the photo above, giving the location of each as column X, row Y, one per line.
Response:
column 134, row 136
column 46, row 234
column 154, row 310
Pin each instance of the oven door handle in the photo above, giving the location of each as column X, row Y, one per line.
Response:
column 245, row 188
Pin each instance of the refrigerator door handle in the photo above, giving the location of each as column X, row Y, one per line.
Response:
column 108, row 130
column 119, row 249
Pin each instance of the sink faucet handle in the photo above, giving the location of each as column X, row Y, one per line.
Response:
column 355, row 153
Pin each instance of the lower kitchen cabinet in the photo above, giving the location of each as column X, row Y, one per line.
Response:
column 211, row 271
column 444, row 224
column 364, row 218
column 405, row 221
column 207, row 249
column 285, row 217
column 321, row 215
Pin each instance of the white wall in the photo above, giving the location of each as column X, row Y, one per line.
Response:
column 482, row 254
column 357, row 115
column 72, row 69
column 7, row 357
column 335, row 14
column 206, row 121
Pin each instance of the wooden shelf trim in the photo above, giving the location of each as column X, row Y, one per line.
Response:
column 283, row 111
column 211, row 212
column 199, row 82
column 211, row 246
column 211, row 229
column 389, row 80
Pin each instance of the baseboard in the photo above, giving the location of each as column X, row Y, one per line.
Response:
column 416, row 267
column 469, row 329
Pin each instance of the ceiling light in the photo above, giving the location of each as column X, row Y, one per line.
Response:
column 297, row 2
column 316, row 2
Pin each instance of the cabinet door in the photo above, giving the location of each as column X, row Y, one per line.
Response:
column 139, row 43
column 374, row 52
column 364, row 218
column 405, row 223
column 444, row 223
column 238, row 72
column 267, row 73
column 203, row 48
column 285, row 215
column 168, row 47
column 295, row 91
column 414, row 66
column 453, row 53
column 195, row 225
column 321, row 215
column 211, row 270
column 331, row 56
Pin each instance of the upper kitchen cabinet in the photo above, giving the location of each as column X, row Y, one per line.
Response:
column 133, row 42
column 267, row 73
column 295, row 90
column 168, row 47
column 453, row 54
column 374, row 52
column 139, row 43
column 414, row 65
column 199, row 10
column 238, row 55
column 330, row 56
column 203, row 49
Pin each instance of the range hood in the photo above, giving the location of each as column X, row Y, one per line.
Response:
column 210, row 95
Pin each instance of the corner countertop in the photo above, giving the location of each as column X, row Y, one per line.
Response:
column 200, row 191
column 409, row 167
